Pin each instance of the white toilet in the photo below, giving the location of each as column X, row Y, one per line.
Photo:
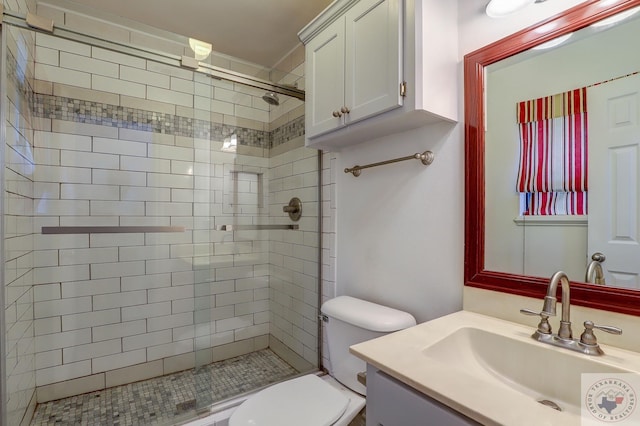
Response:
column 330, row 400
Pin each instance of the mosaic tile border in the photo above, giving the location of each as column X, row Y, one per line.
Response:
column 91, row 112
column 80, row 111
column 287, row 132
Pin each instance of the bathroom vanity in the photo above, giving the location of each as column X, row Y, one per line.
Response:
column 466, row 368
column 390, row 402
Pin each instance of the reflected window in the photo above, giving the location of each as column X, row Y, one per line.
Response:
column 552, row 173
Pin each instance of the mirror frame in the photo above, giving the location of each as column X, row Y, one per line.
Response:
column 621, row 300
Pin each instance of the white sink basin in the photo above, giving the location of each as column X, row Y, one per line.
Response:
column 535, row 369
column 492, row 370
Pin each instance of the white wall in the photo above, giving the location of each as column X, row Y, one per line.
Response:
column 399, row 227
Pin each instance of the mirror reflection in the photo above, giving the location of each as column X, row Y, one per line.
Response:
column 561, row 158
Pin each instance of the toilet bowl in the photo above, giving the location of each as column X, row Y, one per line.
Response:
column 333, row 399
column 306, row 400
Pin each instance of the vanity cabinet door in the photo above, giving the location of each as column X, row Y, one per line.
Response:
column 392, row 403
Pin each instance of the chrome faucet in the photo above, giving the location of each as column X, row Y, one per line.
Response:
column 587, row 343
column 549, row 305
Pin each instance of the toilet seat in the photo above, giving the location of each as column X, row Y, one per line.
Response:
column 306, row 400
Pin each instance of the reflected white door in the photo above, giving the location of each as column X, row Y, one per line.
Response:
column 614, row 190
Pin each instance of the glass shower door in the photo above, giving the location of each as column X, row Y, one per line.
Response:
column 104, row 234
column 256, row 319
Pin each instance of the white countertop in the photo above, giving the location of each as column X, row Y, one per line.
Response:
column 477, row 394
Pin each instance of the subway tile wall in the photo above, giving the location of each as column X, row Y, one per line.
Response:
column 19, row 258
column 122, row 141
column 294, row 255
column 329, row 237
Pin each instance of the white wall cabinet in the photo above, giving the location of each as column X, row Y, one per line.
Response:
column 392, row 403
column 354, row 66
column 360, row 57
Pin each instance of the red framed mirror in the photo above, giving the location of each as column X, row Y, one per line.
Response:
column 607, row 298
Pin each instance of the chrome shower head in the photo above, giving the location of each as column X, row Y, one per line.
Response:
column 271, row 98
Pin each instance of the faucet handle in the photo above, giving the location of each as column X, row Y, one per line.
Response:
column 543, row 326
column 588, row 338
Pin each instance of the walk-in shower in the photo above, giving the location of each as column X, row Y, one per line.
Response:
column 147, row 257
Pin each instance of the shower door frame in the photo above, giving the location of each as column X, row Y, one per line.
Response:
column 3, row 141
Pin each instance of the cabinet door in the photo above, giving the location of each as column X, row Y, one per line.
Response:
column 392, row 403
column 325, row 79
column 373, row 58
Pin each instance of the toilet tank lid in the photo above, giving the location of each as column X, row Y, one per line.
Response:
column 367, row 315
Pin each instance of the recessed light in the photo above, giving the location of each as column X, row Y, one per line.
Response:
column 501, row 8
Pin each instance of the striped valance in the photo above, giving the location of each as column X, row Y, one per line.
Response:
column 552, row 174
column 554, row 106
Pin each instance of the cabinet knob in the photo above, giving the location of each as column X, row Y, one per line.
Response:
column 337, row 114
column 345, row 110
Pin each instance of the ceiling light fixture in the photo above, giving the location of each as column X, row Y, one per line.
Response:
column 502, row 8
column 201, row 49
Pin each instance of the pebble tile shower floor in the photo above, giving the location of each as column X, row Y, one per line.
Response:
column 158, row 401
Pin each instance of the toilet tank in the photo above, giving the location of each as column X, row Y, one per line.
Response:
column 349, row 321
